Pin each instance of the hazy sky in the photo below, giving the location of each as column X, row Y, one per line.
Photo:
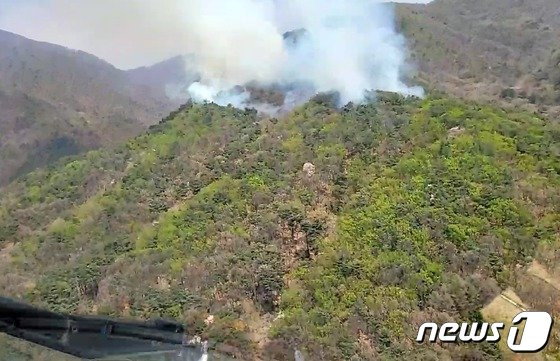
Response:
column 127, row 33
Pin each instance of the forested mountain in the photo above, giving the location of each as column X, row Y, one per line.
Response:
column 56, row 102
column 336, row 232
column 487, row 49
column 333, row 231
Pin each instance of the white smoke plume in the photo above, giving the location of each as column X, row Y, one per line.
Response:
column 348, row 46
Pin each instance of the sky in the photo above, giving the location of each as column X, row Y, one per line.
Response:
column 127, row 33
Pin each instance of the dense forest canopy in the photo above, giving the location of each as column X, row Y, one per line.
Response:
column 336, row 232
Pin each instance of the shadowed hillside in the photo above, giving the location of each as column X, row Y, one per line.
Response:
column 57, row 102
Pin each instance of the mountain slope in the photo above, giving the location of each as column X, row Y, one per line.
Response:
column 335, row 232
column 481, row 49
column 56, row 102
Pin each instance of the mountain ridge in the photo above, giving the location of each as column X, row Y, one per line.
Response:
column 53, row 95
column 476, row 49
column 327, row 230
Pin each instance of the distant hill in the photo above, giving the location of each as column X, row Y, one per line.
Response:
column 169, row 77
column 56, row 102
column 480, row 48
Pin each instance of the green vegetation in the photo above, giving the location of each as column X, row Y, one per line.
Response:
column 416, row 210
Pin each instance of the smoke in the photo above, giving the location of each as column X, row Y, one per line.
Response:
column 294, row 47
column 346, row 46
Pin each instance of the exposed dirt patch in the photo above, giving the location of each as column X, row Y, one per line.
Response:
column 258, row 324
column 539, row 271
column 504, row 308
